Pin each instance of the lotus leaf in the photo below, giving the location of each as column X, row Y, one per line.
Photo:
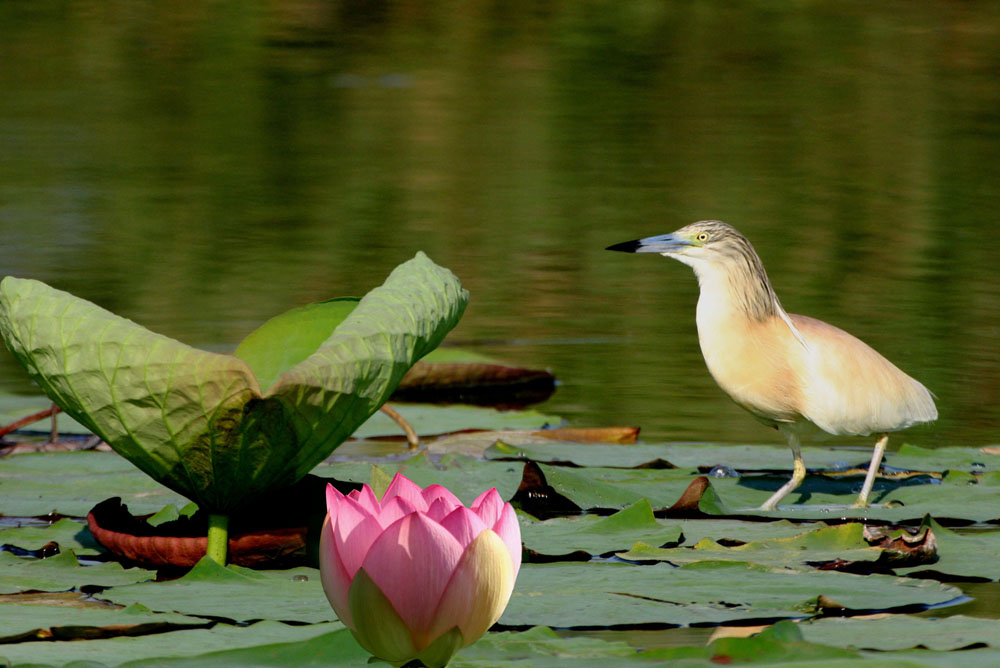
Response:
column 202, row 423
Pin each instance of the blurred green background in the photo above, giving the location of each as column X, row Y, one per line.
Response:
column 201, row 166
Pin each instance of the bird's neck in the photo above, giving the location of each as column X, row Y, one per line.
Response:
column 740, row 291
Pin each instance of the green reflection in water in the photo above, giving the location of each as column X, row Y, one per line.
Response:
column 202, row 167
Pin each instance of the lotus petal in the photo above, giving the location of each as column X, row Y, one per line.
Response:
column 464, row 525
column 478, row 591
column 335, row 579
column 488, row 506
column 412, row 563
column 434, row 493
column 402, row 487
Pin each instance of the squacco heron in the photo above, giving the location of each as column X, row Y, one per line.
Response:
column 786, row 369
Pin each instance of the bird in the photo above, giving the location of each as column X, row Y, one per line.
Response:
column 787, row 370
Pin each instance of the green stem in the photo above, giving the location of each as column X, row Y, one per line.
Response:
column 218, row 538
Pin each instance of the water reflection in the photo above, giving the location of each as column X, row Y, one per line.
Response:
column 203, row 167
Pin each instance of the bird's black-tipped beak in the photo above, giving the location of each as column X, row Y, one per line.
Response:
column 626, row 246
column 665, row 243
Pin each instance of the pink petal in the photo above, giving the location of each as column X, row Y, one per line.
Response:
column 333, row 499
column 365, row 498
column 344, row 513
column 393, row 509
column 353, row 547
column 336, row 581
column 510, row 533
column 401, row 486
column 488, row 506
column 439, row 509
column 464, row 525
column 412, row 563
column 434, row 493
column 354, row 529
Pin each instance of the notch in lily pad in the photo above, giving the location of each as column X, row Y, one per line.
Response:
column 225, row 429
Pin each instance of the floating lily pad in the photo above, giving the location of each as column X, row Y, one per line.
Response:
column 62, row 572
column 897, row 632
column 71, row 483
column 69, row 534
column 618, row 488
column 707, row 592
column 22, row 622
column 891, row 500
column 845, row 541
column 737, row 531
column 170, row 649
column 590, row 454
column 682, row 455
column 597, row 535
column 540, row 647
column 970, row 460
column 752, row 458
column 234, row 593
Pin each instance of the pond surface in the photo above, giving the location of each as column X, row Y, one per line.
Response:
column 200, row 167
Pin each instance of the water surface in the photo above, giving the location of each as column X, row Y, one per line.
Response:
column 200, row 167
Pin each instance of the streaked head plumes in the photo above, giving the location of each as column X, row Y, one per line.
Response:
column 716, row 250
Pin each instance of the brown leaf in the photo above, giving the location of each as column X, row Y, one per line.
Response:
column 688, row 503
column 621, row 435
column 905, row 549
column 827, row 607
column 271, row 533
column 475, row 383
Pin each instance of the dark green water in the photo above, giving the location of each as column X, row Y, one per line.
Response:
column 199, row 167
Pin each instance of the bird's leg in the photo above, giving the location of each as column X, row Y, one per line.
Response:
column 866, row 489
column 798, row 472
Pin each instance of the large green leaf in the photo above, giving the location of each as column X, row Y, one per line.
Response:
column 287, row 339
column 239, row 594
column 199, row 422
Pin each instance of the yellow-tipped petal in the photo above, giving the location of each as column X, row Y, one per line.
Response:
column 478, row 590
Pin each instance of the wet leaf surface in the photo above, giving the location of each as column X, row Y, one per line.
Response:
column 705, row 592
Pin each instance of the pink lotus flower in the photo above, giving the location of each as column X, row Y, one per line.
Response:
column 418, row 575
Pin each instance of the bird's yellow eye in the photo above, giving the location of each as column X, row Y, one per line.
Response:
column 702, row 237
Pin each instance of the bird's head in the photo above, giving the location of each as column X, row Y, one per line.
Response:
column 723, row 260
column 707, row 241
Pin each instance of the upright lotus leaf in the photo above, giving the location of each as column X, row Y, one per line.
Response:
column 287, row 339
column 199, row 422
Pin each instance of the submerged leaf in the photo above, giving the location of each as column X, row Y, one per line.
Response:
column 199, row 422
